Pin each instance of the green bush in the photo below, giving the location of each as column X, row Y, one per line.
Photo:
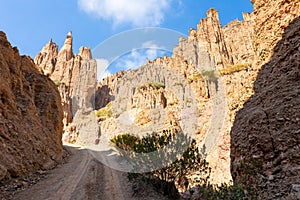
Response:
column 125, row 142
column 194, row 78
column 191, row 161
column 210, row 74
column 142, row 145
column 223, row 192
column 156, row 85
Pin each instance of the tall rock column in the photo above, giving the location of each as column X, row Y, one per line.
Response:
column 210, row 34
column 46, row 59
column 65, row 71
column 66, row 52
column 212, row 47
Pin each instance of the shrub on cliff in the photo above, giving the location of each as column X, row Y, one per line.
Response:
column 167, row 177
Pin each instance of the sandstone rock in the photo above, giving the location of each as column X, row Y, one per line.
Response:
column 272, row 17
column 211, row 35
column 85, row 53
column 30, row 115
column 211, row 47
column 66, row 52
column 105, row 89
column 46, row 59
column 264, row 138
column 226, row 46
column 238, row 36
column 67, row 71
column 83, row 103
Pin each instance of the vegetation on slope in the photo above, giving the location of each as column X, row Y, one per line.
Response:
column 105, row 112
column 169, row 178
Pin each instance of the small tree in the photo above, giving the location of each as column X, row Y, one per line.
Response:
column 191, row 160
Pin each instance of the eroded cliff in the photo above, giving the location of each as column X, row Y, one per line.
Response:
column 65, row 69
column 30, row 116
column 265, row 136
column 214, row 68
column 75, row 77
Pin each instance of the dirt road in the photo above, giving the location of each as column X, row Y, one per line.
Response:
column 83, row 177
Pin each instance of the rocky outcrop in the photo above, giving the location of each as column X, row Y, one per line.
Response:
column 210, row 34
column 66, row 52
column 226, row 46
column 30, row 115
column 210, row 49
column 105, row 89
column 47, row 58
column 69, row 72
column 156, row 86
column 262, row 146
column 265, row 136
column 272, row 17
column 83, row 102
column 238, row 36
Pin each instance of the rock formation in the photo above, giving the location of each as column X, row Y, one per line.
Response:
column 265, row 136
column 211, row 48
column 105, row 88
column 30, row 115
column 226, row 46
column 222, row 67
column 73, row 74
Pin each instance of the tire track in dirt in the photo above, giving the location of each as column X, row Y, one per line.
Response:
column 61, row 181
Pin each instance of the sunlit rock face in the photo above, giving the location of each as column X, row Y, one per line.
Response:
column 30, row 115
column 72, row 73
column 210, row 47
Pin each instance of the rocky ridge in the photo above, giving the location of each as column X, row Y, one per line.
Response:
column 30, row 116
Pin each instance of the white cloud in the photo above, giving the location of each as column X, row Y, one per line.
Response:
column 152, row 49
column 137, row 57
column 135, row 12
column 132, row 60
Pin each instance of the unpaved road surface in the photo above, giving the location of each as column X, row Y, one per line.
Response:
column 83, row 177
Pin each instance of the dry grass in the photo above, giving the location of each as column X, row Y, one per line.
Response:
column 234, row 68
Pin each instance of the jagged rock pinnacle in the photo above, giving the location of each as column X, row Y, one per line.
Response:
column 85, row 53
column 66, row 52
column 46, row 58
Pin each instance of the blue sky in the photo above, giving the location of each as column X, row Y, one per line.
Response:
column 30, row 24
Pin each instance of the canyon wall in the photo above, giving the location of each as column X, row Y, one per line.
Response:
column 265, row 136
column 211, row 48
column 231, row 51
column 30, row 116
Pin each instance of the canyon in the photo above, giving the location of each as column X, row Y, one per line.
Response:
column 235, row 88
